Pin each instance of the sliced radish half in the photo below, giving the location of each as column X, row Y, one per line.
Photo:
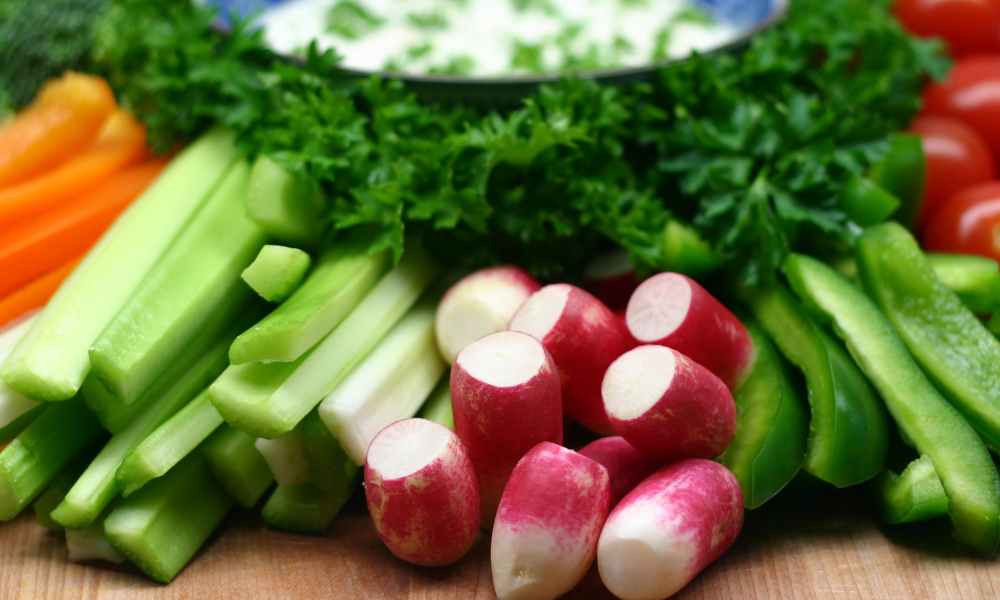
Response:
column 422, row 492
column 667, row 405
column 506, row 398
column 673, row 310
column 583, row 337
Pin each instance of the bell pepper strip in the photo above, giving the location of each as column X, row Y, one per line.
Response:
column 848, row 428
column 770, row 442
column 916, row 494
column 35, row 294
column 237, row 465
column 684, row 251
column 924, row 417
column 161, row 526
column 48, row 241
column 902, row 172
column 866, row 203
column 956, row 351
column 62, row 121
column 120, row 145
column 974, row 279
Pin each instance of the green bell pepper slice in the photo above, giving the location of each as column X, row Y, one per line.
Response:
column 903, row 173
column 848, row 430
column 924, row 417
column 974, row 279
column 914, row 495
column 770, row 441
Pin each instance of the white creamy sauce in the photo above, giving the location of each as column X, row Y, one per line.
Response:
column 482, row 37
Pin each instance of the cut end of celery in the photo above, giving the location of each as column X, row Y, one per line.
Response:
column 277, row 272
column 134, row 473
column 301, row 508
column 73, row 514
column 11, row 502
column 34, row 383
column 111, row 375
column 277, row 342
column 237, row 400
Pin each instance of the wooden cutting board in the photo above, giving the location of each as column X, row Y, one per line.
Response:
column 828, row 549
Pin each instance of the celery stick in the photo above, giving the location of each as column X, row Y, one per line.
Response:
column 288, row 208
column 52, row 361
column 267, row 400
column 237, row 465
column 303, row 507
column 13, row 404
column 98, row 486
column 171, row 442
column 391, row 383
column 335, row 287
column 330, row 468
column 49, row 499
column 438, row 405
column 14, row 428
column 197, row 276
column 162, row 525
column 277, row 272
column 30, row 462
column 91, row 543
column 286, row 457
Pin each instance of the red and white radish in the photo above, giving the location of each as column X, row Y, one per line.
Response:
column 626, row 466
column 611, row 278
column 480, row 304
column 422, row 492
column 548, row 524
column 584, row 337
column 672, row 310
column 669, row 528
column 667, row 405
column 506, row 398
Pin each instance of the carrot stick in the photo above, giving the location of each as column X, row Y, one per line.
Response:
column 35, row 294
column 63, row 120
column 121, row 143
column 39, row 246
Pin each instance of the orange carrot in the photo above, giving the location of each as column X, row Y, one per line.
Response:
column 35, row 294
column 62, row 121
column 121, row 143
column 38, row 246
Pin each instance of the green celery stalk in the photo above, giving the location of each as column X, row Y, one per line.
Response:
column 98, row 486
column 438, row 405
column 14, row 428
column 914, row 495
column 288, row 208
column 13, row 404
column 30, row 462
column 277, row 272
column 171, row 442
column 302, row 508
column 330, row 467
column 51, row 362
column 91, row 543
column 161, row 526
column 54, row 494
column 340, row 280
column 196, row 279
column 237, row 465
column 391, row 383
column 268, row 400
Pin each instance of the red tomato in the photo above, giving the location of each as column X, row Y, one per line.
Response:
column 956, row 158
column 967, row 223
column 967, row 26
column 971, row 94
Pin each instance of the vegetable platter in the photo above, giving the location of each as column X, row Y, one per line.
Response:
column 575, row 347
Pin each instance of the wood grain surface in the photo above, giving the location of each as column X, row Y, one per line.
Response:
column 831, row 548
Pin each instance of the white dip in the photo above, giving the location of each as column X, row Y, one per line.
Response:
column 495, row 37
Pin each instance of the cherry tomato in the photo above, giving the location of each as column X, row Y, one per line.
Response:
column 956, row 159
column 971, row 94
column 968, row 222
column 967, row 26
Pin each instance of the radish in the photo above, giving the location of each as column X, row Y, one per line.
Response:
column 422, row 492
column 584, row 337
column 505, row 396
column 669, row 528
column 626, row 466
column 547, row 526
column 611, row 278
column 672, row 310
column 480, row 304
column 667, row 405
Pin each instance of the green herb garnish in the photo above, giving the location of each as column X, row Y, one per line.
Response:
column 351, row 20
